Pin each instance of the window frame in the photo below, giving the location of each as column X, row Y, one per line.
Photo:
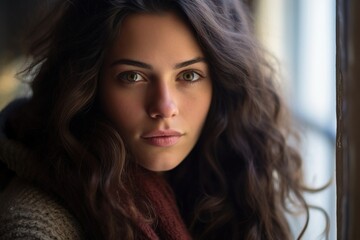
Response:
column 348, row 134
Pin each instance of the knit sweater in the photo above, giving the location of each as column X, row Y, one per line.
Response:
column 27, row 212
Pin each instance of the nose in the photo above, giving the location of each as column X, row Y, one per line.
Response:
column 162, row 101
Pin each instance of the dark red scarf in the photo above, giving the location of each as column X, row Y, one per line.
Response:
column 170, row 225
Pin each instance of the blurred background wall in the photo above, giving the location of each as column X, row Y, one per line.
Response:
column 16, row 19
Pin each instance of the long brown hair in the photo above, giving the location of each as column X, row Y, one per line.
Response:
column 235, row 183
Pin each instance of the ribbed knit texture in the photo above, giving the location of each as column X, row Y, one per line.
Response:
column 27, row 212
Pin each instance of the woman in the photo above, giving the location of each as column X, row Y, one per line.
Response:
column 151, row 119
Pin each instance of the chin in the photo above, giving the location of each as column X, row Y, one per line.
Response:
column 160, row 166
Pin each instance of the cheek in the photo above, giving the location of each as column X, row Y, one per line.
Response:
column 197, row 108
column 124, row 111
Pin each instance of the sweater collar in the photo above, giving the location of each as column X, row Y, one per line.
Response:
column 13, row 153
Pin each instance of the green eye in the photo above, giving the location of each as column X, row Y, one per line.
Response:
column 130, row 77
column 190, row 76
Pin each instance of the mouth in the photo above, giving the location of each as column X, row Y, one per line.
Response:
column 162, row 138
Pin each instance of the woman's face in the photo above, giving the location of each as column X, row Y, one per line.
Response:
column 156, row 88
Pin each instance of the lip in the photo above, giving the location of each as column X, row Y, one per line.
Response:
column 162, row 138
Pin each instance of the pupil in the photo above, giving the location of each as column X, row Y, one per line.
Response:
column 132, row 76
column 188, row 76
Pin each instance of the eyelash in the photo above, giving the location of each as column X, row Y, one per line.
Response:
column 123, row 75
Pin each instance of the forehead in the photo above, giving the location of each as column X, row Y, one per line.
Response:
column 152, row 35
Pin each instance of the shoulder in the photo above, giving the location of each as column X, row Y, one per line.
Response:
column 27, row 212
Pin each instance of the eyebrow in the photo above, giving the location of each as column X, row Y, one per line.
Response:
column 189, row 62
column 132, row 63
column 148, row 66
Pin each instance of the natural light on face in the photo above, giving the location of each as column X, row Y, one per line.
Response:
column 156, row 88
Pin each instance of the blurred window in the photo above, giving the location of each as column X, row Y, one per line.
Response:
column 302, row 36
